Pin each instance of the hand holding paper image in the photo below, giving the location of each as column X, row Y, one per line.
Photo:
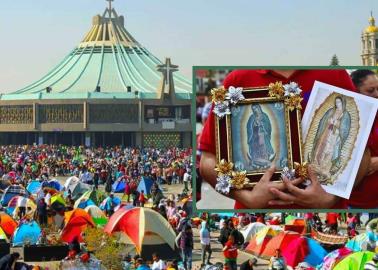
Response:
column 336, row 126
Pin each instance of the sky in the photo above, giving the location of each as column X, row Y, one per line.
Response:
column 36, row 35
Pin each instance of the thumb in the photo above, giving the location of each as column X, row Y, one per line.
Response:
column 312, row 175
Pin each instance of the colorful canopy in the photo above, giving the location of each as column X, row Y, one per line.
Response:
column 357, row 243
column 52, row 184
column 57, row 202
column 13, row 208
column 97, row 215
column 333, row 258
column 7, row 224
column 355, row 261
column 145, row 184
column 3, row 235
column 119, row 186
column 280, row 241
column 96, row 196
column 27, row 233
column 76, row 188
column 249, row 231
column 76, row 222
column 33, row 187
column 144, row 229
column 304, row 249
column 116, row 201
column 260, row 240
column 12, row 191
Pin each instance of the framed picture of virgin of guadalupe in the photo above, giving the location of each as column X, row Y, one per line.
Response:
column 255, row 129
column 336, row 127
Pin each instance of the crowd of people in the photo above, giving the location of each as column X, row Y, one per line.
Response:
column 231, row 231
column 97, row 169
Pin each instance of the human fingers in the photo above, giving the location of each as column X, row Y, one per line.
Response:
column 297, row 192
column 268, row 174
column 279, row 202
column 282, row 195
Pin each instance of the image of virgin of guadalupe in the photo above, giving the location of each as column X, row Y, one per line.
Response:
column 259, row 132
column 332, row 132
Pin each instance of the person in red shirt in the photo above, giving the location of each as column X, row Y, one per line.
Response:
column 142, row 198
column 366, row 82
column 230, row 253
column 332, row 221
column 266, row 193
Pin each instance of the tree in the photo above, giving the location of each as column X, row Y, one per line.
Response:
column 104, row 247
column 335, row 61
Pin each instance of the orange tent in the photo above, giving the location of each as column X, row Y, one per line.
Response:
column 76, row 221
column 7, row 224
column 280, row 241
column 259, row 241
column 145, row 230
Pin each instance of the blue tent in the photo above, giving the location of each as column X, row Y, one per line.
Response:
column 11, row 191
column 26, row 233
column 86, row 203
column 34, row 186
column 52, row 184
column 116, row 202
column 145, row 184
column 119, row 186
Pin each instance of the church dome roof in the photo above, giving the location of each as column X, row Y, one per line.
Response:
column 371, row 28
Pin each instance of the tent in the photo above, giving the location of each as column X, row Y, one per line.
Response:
column 249, row 231
column 33, row 187
column 3, row 235
column 27, row 233
column 95, row 195
column 333, row 258
column 52, row 184
column 75, row 187
column 289, row 218
column 119, row 186
column 11, row 191
column 304, row 249
column 145, row 231
column 280, row 241
column 7, row 224
column 357, row 243
column 145, row 184
column 57, row 202
column 260, row 240
column 76, row 221
column 13, row 208
column 116, row 201
column 97, row 215
column 355, row 261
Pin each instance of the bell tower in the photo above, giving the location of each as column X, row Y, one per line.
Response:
column 369, row 39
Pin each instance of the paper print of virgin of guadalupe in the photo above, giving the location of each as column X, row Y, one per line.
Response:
column 333, row 130
column 259, row 132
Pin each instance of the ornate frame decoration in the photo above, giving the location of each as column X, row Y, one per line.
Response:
column 223, row 100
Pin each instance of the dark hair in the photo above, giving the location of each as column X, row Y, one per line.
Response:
column 155, row 254
column 16, row 255
column 358, row 76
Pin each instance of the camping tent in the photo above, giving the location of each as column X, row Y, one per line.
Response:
column 119, row 186
column 116, row 202
column 57, row 202
column 75, row 187
column 280, row 241
column 249, row 231
column 7, row 224
column 259, row 241
column 357, row 243
column 333, row 258
column 11, row 191
column 304, row 249
column 97, row 215
column 144, row 230
column 52, row 184
column 33, row 187
column 90, row 197
column 145, row 184
column 13, row 208
column 27, row 233
column 355, row 261
column 76, row 222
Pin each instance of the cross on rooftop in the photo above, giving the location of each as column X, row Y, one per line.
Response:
column 167, row 69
